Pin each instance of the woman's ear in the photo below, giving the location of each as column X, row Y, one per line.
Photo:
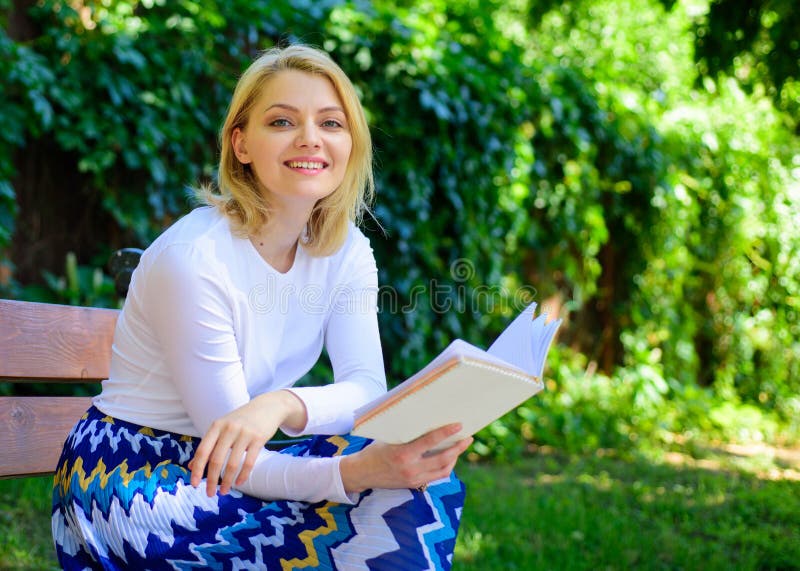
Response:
column 239, row 146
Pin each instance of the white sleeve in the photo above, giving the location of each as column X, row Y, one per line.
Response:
column 189, row 311
column 354, row 347
column 281, row 476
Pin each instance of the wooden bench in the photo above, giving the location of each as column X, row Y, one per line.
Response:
column 42, row 342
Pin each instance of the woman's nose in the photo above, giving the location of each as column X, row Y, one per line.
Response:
column 308, row 135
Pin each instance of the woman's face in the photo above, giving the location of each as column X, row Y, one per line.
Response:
column 297, row 139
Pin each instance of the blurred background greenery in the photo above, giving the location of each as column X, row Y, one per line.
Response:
column 633, row 166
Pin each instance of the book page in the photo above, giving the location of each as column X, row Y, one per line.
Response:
column 456, row 350
column 526, row 341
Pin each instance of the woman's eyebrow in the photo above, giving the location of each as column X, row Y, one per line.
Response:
column 295, row 109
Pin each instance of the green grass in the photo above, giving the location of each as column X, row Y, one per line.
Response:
column 553, row 511
column 25, row 541
column 716, row 510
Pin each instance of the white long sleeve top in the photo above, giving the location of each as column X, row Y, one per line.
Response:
column 208, row 324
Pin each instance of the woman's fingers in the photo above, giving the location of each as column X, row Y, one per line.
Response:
column 217, row 461
column 198, row 463
column 214, row 453
column 249, row 462
column 227, row 453
column 450, row 456
column 229, row 449
column 416, row 465
column 231, row 468
column 430, row 440
column 440, row 464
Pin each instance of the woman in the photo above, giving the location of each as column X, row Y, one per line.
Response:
column 226, row 311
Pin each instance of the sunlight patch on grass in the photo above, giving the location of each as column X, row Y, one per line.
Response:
column 761, row 460
column 472, row 543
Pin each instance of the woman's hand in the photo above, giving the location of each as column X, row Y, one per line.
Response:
column 232, row 443
column 402, row 465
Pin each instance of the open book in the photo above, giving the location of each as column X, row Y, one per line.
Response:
column 464, row 384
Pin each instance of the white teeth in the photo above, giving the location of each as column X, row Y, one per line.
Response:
column 305, row 165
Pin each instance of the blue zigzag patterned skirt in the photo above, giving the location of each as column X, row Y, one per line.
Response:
column 122, row 500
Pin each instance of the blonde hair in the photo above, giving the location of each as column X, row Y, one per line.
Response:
column 238, row 195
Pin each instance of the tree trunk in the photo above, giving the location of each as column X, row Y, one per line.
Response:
column 57, row 212
column 20, row 27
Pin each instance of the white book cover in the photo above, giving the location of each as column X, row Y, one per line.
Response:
column 464, row 384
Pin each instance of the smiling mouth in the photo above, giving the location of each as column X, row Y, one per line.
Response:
column 308, row 165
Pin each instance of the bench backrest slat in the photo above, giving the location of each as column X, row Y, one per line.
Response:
column 42, row 341
column 33, row 431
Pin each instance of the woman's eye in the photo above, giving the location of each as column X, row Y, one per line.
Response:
column 331, row 124
column 280, row 123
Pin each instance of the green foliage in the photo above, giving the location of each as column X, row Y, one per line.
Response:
column 525, row 149
column 756, row 42
column 705, row 257
column 80, row 285
column 637, row 409
column 736, row 184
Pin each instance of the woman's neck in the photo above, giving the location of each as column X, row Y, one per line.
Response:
column 276, row 241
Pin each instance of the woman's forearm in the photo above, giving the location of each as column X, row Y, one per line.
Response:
column 293, row 410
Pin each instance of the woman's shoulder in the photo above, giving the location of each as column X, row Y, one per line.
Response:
column 354, row 258
column 202, row 223
column 196, row 231
column 354, row 252
column 356, row 245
